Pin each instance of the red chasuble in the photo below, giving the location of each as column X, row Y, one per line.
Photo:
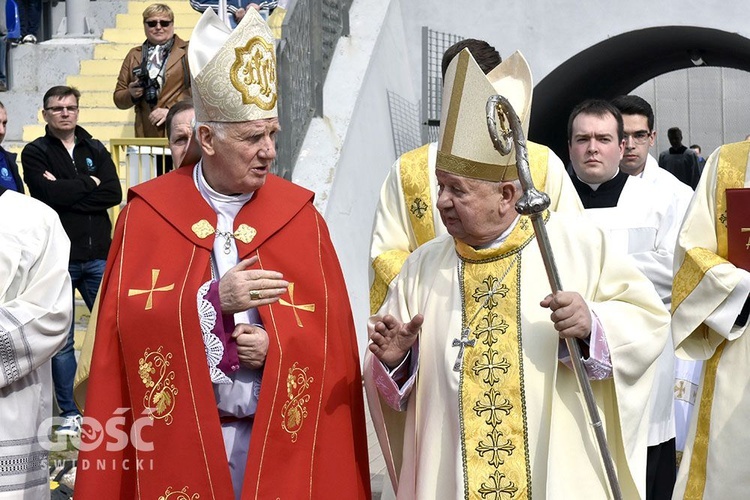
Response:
column 149, row 364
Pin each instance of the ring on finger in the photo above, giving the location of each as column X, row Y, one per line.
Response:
column 255, row 295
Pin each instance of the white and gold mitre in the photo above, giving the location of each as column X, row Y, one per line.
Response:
column 465, row 147
column 233, row 71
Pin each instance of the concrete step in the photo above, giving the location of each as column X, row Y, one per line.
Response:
column 135, row 36
column 111, row 50
column 177, row 6
column 135, row 21
column 107, row 115
column 99, row 98
column 89, row 83
column 95, row 67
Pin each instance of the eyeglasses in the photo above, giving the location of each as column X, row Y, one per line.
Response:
column 56, row 110
column 639, row 137
column 162, row 23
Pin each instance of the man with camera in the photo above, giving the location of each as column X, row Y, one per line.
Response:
column 155, row 75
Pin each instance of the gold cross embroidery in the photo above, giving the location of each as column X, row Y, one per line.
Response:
column 150, row 299
column 304, row 307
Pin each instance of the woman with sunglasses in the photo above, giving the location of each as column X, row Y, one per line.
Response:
column 155, row 75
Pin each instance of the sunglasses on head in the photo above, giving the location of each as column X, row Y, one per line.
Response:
column 153, row 24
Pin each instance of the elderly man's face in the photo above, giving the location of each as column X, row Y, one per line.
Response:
column 595, row 150
column 240, row 162
column 471, row 209
column 180, row 132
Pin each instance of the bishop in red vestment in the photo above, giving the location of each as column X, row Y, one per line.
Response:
column 152, row 427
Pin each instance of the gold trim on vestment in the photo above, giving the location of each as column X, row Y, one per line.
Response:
column 178, row 494
column 538, row 161
column 730, row 174
column 494, row 434
column 322, row 382
column 474, row 169
column 696, row 481
column 387, row 265
column 449, row 131
column 698, row 261
column 161, row 395
column 415, row 184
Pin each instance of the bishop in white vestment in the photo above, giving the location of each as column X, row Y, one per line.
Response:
column 491, row 411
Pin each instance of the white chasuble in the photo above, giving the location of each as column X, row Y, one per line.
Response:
column 709, row 293
column 35, row 314
column 510, row 422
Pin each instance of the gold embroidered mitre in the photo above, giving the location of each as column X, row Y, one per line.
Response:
column 233, row 71
column 465, row 147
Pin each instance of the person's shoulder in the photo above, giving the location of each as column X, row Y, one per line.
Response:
column 179, row 42
column 34, row 211
column 41, row 142
column 437, row 247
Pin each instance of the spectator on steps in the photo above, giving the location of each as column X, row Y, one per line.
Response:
column 155, row 75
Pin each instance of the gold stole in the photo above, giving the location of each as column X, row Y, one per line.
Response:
column 494, row 437
column 730, row 174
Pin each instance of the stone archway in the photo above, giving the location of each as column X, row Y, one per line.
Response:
column 620, row 64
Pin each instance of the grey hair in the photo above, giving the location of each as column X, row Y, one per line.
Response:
column 219, row 128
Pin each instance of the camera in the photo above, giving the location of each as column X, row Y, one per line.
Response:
column 150, row 86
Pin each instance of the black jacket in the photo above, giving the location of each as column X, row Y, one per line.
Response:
column 74, row 195
column 10, row 160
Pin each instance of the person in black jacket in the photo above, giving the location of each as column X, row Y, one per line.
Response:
column 9, row 177
column 681, row 161
column 74, row 174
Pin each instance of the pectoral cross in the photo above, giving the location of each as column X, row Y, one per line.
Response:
column 462, row 343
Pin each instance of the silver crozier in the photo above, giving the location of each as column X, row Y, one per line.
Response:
column 533, row 203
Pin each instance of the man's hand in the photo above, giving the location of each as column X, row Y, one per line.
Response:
column 239, row 14
column 135, row 89
column 48, row 175
column 236, row 285
column 391, row 339
column 570, row 314
column 158, row 116
column 252, row 345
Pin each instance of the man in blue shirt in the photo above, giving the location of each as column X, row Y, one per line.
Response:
column 9, row 178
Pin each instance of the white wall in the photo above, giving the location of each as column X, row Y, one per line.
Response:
column 346, row 154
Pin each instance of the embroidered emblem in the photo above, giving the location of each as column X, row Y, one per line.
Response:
column 160, row 396
column 245, row 233
column 489, row 291
column 150, row 292
column 723, row 218
column 179, row 495
column 294, row 411
column 253, row 73
column 524, row 223
column 418, row 208
column 497, row 488
column 304, row 307
column 203, row 229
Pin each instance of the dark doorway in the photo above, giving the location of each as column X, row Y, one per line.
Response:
column 622, row 63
